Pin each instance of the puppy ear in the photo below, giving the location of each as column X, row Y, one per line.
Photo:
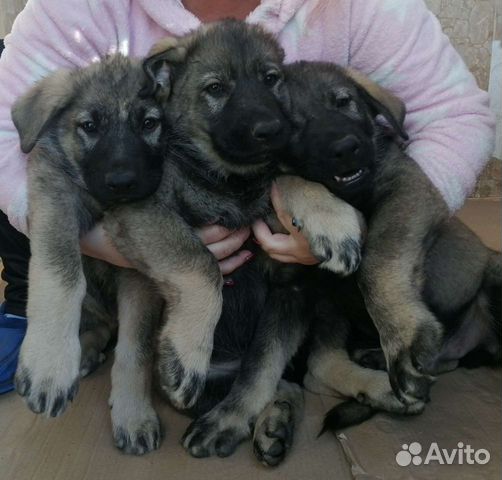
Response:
column 158, row 65
column 382, row 101
column 32, row 112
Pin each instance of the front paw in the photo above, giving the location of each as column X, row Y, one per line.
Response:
column 136, row 431
column 336, row 244
column 273, row 433
column 218, row 432
column 181, row 381
column 48, row 387
column 408, row 365
column 408, row 382
column 341, row 257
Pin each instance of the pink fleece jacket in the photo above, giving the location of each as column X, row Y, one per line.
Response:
column 398, row 43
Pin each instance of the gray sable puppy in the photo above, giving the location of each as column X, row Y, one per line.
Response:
column 93, row 142
column 227, row 108
column 426, row 282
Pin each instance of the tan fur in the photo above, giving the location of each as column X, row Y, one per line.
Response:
column 325, row 220
column 332, row 372
column 45, row 99
column 395, row 106
column 276, row 423
column 193, row 311
column 132, row 411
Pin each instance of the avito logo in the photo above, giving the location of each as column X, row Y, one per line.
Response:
column 464, row 454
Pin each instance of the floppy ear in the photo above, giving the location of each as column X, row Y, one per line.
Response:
column 382, row 101
column 158, row 65
column 32, row 112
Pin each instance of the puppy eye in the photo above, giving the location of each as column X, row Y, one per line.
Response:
column 89, row 127
column 150, row 123
column 343, row 101
column 214, row 88
column 271, row 78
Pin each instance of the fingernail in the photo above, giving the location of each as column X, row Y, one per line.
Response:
column 249, row 257
column 228, row 282
column 297, row 223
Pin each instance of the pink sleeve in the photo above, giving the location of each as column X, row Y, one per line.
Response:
column 400, row 44
column 47, row 35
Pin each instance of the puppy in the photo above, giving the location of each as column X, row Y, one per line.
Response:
column 226, row 101
column 428, row 292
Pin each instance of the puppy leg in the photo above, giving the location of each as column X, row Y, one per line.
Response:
column 98, row 322
column 95, row 333
column 274, row 429
column 136, row 426
column 189, row 279
column 333, row 228
column 277, row 337
column 331, row 371
column 391, row 276
column 48, row 371
column 186, row 341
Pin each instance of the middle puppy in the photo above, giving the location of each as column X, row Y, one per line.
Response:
column 228, row 107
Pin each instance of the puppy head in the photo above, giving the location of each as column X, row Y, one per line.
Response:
column 225, row 93
column 335, row 113
column 107, row 137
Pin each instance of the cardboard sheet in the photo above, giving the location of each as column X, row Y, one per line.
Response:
column 465, row 407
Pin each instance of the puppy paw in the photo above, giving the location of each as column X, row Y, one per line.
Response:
column 45, row 393
column 218, row 432
column 136, row 431
column 91, row 359
column 48, row 381
column 182, row 382
column 333, row 228
column 342, row 257
column 273, row 433
column 337, row 244
column 380, row 396
column 408, row 383
column 409, row 352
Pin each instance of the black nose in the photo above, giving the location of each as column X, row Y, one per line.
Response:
column 346, row 146
column 120, row 181
column 266, row 129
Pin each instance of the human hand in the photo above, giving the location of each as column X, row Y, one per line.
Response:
column 96, row 243
column 292, row 247
column 223, row 244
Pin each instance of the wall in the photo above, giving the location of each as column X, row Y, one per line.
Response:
column 475, row 29
column 8, row 11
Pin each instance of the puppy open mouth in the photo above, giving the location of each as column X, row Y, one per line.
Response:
column 351, row 177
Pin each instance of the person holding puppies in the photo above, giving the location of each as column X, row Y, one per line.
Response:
column 398, row 44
